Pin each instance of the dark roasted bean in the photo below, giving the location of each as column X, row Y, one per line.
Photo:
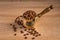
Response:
column 33, row 38
column 36, row 36
column 24, row 34
column 27, row 34
column 25, row 29
column 25, row 37
column 33, row 19
column 10, row 24
column 21, row 31
column 24, row 26
column 14, row 34
column 39, row 34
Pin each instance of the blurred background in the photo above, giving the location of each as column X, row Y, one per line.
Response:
column 48, row 25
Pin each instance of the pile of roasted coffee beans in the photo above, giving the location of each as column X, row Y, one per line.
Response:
column 25, row 31
column 30, row 31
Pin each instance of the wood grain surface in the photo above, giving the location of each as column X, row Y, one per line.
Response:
column 48, row 25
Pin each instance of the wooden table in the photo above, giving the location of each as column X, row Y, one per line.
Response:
column 48, row 25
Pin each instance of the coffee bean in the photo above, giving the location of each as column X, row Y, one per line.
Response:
column 25, row 37
column 10, row 24
column 36, row 35
column 14, row 34
column 27, row 34
column 33, row 38
column 25, row 29
column 24, row 34
column 23, row 26
column 39, row 34
column 21, row 31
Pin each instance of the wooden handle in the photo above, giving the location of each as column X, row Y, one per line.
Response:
column 45, row 11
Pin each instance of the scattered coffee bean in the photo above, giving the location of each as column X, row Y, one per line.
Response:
column 27, row 34
column 23, row 26
column 25, row 29
column 33, row 19
column 36, row 35
column 25, row 37
column 14, row 34
column 21, row 31
column 24, row 34
column 39, row 34
column 10, row 24
column 33, row 38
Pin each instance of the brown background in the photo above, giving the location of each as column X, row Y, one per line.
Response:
column 48, row 25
